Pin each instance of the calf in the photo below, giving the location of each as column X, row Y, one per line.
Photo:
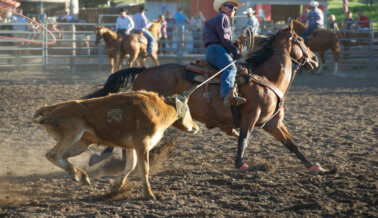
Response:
column 135, row 121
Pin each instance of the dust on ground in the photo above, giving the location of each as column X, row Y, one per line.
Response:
column 332, row 119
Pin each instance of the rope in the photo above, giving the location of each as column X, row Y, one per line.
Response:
column 194, row 88
column 7, row 7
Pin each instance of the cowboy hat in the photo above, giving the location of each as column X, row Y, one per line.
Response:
column 218, row 3
column 249, row 11
column 314, row 3
column 123, row 10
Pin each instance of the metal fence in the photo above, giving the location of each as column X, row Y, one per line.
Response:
column 75, row 47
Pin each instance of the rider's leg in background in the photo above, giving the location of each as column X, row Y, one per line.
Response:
column 150, row 41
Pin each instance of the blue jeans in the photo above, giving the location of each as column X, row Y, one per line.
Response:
column 150, row 41
column 122, row 32
column 308, row 31
column 218, row 56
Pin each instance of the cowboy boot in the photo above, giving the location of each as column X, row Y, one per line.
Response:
column 232, row 99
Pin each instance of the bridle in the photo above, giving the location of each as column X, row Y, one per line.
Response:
column 304, row 59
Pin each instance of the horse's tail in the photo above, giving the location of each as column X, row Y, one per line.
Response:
column 335, row 46
column 116, row 81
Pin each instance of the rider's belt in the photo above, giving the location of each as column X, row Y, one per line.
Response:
column 210, row 43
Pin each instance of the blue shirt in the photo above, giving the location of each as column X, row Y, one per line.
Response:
column 180, row 18
column 218, row 30
column 254, row 23
column 315, row 17
column 17, row 19
column 140, row 22
column 125, row 23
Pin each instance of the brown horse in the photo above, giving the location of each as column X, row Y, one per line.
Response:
column 111, row 43
column 131, row 45
column 272, row 64
column 117, row 47
column 320, row 41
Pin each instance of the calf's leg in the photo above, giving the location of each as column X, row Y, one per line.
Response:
column 130, row 166
column 143, row 156
column 69, row 147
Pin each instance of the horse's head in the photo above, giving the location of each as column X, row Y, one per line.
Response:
column 100, row 34
column 155, row 29
column 299, row 52
column 298, row 26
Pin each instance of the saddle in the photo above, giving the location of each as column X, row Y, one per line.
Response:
column 203, row 70
column 140, row 36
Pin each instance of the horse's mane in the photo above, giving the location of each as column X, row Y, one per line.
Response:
column 256, row 58
column 111, row 33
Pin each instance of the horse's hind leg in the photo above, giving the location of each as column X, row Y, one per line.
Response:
column 155, row 58
column 119, row 62
column 280, row 132
column 133, row 57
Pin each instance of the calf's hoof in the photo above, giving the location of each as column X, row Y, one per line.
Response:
column 81, row 176
column 150, row 196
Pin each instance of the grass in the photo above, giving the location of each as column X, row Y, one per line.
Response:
column 128, row 1
column 336, row 7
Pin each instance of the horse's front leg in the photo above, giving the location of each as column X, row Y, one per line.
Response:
column 246, row 126
column 242, row 144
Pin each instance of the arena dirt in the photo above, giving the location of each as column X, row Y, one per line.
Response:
column 333, row 120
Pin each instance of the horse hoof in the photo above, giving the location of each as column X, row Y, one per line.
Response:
column 317, row 169
column 243, row 167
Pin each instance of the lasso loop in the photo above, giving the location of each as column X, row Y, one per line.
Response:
column 6, row 7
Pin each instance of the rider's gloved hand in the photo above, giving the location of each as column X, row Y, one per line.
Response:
column 236, row 56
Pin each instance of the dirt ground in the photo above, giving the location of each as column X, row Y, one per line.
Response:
column 333, row 120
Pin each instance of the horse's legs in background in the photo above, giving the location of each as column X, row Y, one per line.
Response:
column 155, row 58
column 280, row 132
column 137, row 61
column 112, row 66
column 95, row 158
column 133, row 57
column 120, row 59
column 336, row 69
column 322, row 58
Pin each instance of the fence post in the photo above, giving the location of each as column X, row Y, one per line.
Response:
column 73, row 38
column 180, row 47
column 371, row 46
column 44, row 49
